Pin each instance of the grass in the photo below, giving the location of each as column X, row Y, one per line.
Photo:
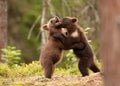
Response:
column 32, row 75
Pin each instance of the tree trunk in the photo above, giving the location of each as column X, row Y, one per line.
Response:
column 110, row 41
column 44, row 34
column 3, row 25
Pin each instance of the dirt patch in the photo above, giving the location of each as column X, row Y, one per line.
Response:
column 68, row 80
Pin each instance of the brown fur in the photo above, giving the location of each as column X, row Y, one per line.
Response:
column 53, row 50
column 82, row 49
column 50, row 56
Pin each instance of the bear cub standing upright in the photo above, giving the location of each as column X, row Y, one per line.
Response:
column 76, row 36
column 52, row 52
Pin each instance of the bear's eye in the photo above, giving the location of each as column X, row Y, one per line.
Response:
column 51, row 21
column 66, row 33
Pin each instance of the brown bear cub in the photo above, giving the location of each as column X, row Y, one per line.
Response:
column 53, row 50
column 83, row 52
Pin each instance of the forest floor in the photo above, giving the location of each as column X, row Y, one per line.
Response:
column 95, row 79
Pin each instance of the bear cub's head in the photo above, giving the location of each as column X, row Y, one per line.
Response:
column 69, row 22
column 54, row 26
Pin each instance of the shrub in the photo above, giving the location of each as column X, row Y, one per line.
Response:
column 11, row 55
column 69, row 60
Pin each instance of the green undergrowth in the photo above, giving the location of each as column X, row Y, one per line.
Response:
column 13, row 67
column 32, row 75
column 22, row 70
column 31, row 69
column 34, row 69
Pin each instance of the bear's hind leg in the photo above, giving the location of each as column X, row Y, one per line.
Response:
column 94, row 68
column 49, row 69
column 83, row 67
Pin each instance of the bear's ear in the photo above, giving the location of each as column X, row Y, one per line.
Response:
column 45, row 27
column 74, row 20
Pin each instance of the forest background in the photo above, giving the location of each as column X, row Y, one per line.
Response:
column 26, row 39
column 24, row 23
column 20, row 30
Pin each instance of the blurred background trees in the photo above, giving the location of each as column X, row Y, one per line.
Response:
column 3, row 25
column 26, row 16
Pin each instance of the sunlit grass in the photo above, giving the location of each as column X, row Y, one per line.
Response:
column 34, row 69
column 32, row 74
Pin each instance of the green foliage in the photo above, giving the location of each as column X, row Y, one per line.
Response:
column 31, row 69
column 69, row 59
column 11, row 55
column 67, row 71
column 26, row 70
column 22, row 15
column 4, row 70
column 21, row 70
